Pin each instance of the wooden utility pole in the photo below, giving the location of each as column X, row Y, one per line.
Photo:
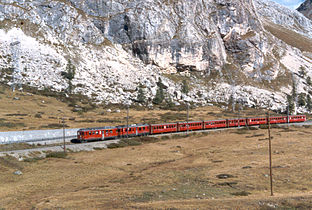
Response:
column 127, row 120
column 187, row 118
column 63, row 121
column 288, row 115
column 270, row 153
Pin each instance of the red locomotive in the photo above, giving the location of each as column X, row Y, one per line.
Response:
column 104, row 133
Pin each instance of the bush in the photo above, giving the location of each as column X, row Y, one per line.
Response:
column 124, row 143
column 117, row 145
column 242, row 193
column 131, row 142
column 253, row 128
column 54, row 125
column 56, row 155
column 34, row 159
column 38, row 115
column 267, row 126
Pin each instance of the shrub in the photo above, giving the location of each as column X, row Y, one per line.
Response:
column 33, row 159
column 124, row 143
column 38, row 115
column 241, row 193
column 56, row 155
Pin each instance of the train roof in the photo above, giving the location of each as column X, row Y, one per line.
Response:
column 192, row 122
column 133, row 125
column 214, row 120
column 163, row 124
column 97, row 128
column 112, row 127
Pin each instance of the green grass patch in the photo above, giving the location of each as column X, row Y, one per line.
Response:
column 32, row 159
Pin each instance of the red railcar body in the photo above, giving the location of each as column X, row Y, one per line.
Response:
column 275, row 120
column 215, row 124
column 100, row 133
column 236, row 122
column 297, row 118
column 163, row 128
column 257, row 121
column 133, row 130
column 194, row 125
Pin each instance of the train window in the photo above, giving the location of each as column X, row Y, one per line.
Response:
column 96, row 132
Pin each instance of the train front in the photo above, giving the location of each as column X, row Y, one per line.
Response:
column 80, row 135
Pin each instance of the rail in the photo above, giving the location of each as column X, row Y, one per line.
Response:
column 36, row 135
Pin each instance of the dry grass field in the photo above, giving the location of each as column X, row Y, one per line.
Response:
column 215, row 170
column 33, row 111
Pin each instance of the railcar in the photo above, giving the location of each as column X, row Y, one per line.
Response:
column 163, row 128
column 133, row 130
column 193, row 125
column 215, row 124
column 275, row 120
column 99, row 133
column 297, row 118
column 236, row 122
column 257, row 121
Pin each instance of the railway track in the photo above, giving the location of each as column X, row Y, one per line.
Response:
column 51, row 145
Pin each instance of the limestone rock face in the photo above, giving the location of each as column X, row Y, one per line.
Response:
column 222, row 47
column 186, row 35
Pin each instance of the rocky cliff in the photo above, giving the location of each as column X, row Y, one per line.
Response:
column 306, row 9
column 224, row 49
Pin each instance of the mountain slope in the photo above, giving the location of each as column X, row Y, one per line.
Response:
column 306, row 9
column 224, row 49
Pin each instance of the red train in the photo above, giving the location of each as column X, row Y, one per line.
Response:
column 104, row 133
